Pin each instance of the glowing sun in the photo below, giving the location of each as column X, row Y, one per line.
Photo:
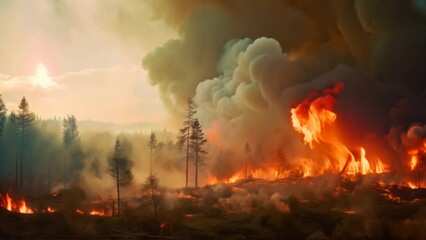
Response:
column 42, row 79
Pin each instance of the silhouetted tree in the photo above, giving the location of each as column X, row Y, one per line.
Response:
column 3, row 111
column 281, row 163
column 70, row 137
column 151, row 191
column 23, row 119
column 152, row 144
column 119, row 168
column 185, row 136
column 196, row 144
column 259, row 157
column 247, row 153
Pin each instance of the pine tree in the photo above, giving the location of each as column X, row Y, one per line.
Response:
column 196, row 144
column 185, row 137
column 119, row 168
column 3, row 112
column 247, row 153
column 70, row 137
column 151, row 191
column 23, row 119
column 152, row 144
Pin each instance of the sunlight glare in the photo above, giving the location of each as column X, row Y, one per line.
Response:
column 42, row 78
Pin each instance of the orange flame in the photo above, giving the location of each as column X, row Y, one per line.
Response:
column 310, row 117
column 12, row 206
column 97, row 212
column 314, row 119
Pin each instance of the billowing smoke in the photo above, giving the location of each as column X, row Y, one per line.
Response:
column 247, row 63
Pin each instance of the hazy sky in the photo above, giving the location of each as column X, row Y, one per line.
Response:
column 92, row 50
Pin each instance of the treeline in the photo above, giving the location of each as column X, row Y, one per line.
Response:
column 38, row 155
column 44, row 153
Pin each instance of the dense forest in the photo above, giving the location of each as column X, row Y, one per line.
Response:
column 51, row 163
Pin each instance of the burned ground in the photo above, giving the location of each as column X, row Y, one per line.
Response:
column 246, row 209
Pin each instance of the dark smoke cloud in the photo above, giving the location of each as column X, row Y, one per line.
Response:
column 194, row 56
column 246, row 63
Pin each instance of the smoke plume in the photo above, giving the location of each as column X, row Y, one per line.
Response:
column 247, row 63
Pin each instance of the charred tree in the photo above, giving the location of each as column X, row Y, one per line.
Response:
column 196, row 144
column 22, row 119
column 152, row 144
column 151, row 191
column 119, row 168
column 247, row 153
column 281, row 163
column 185, row 137
column 70, row 138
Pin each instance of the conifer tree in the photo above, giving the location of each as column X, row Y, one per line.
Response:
column 185, row 137
column 22, row 119
column 152, row 144
column 70, row 137
column 3, row 112
column 196, row 144
column 119, row 168
column 247, row 153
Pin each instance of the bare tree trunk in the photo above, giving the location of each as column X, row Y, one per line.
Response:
column 246, row 166
column 66, row 167
column 150, row 162
column 196, row 168
column 21, row 174
column 17, row 172
column 49, row 179
column 113, row 207
column 118, row 189
column 187, row 150
column 154, row 203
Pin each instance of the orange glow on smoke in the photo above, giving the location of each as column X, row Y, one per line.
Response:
column 213, row 133
column 13, row 206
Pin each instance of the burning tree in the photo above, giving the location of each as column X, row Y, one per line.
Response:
column 196, row 144
column 281, row 163
column 184, row 138
column 152, row 144
column 420, row 168
column 151, row 191
column 23, row 119
column 70, row 137
column 3, row 111
column 119, row 168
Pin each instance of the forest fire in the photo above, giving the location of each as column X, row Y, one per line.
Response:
column 314, row 118
column 19, row 206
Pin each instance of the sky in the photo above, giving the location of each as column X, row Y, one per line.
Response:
column 80, row 57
